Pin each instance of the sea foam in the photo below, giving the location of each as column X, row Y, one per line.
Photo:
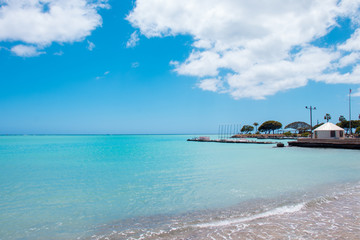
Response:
column 273, row 212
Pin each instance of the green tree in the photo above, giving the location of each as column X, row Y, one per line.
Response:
column 257, row 124
column 299, row 126
column 327, row 117
column 247, row 128
column 287, row 134
column 342, row 118
column 269, row 126
column 355, row 123
column 344, row 124
column 357, row 131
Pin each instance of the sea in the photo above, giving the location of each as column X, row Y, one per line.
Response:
column 164, row 187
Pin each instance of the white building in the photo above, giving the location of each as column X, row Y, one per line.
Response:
column 329, row 131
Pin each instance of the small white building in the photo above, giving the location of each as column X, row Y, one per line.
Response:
column 329, row 131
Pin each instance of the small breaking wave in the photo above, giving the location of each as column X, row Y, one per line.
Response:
column 273, row 212
column 311, row 216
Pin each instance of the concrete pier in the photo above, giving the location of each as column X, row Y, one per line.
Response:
column 230, row 141
column 347, row 143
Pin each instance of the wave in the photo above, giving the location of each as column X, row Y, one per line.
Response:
column 273, row 212
column 310, row 216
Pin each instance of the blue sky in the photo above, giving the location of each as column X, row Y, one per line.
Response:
column 172, row 66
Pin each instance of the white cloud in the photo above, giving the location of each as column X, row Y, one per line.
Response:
column 352, row 43
column 357, row 93
column 254, row 49
column 134, row 39
column 42, row 22
column 25, row 51
column 335, row 77
column 349, row 59
column 91, row 45
column 210, row 84
column 200, row 64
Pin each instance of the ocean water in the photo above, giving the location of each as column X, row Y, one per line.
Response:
column 163, row 187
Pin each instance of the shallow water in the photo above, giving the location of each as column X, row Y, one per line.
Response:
column 334, row 215
column 160, row 186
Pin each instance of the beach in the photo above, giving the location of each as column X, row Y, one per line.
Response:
column 332, row 216
column 163, row 187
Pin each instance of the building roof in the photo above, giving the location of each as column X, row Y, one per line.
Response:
column 329, row 127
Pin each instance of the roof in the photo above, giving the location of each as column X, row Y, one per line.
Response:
column 329, row 127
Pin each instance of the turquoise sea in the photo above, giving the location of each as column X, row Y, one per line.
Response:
column 161, row 186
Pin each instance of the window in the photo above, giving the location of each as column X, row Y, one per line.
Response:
column 341, row 133
column 332, row 133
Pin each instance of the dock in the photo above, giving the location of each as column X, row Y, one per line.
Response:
column 347, row 143
column 230, row 141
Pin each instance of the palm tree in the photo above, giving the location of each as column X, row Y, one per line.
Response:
column 255, row 124
column 327, row 117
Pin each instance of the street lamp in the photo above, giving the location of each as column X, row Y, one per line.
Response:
column 311, row 108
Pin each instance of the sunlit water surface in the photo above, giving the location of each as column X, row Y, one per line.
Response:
column 161, row 186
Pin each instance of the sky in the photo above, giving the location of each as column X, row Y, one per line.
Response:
column 175, row 67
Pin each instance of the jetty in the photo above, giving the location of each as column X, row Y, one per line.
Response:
column 207, row 139
column 346, row 143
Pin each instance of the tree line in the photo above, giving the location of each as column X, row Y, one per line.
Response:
column 265, row 127
column 301, row 127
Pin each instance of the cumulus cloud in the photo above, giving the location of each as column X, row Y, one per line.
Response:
column 211, row 84
column 349, row 59
column 134, row 39
column 352, row 43
column 254, row 49
column 25, row 51
column 39, row 23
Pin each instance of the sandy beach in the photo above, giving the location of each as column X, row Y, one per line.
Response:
column 335, row 216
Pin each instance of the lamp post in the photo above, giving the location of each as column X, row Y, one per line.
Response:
column 350, row 112
column 311, row 108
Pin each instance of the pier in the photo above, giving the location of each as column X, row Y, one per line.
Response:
column 202, row 139
column 347, row 143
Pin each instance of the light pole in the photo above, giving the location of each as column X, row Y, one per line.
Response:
column 311, row 108
column 350, row 112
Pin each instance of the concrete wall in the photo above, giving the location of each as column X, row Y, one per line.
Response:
column 327, row 134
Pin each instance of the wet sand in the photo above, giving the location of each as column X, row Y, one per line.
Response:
column 332, row 218
column 335, row 216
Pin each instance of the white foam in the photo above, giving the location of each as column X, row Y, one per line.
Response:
column 274, row 212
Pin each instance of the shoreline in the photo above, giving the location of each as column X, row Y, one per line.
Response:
column 333, row 215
